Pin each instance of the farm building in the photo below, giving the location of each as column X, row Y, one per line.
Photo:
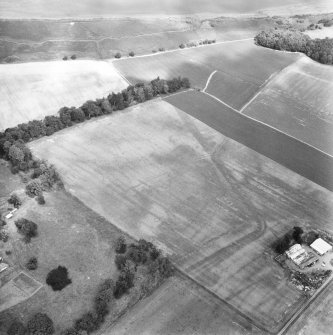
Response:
column 297, row 254
column 320, row 246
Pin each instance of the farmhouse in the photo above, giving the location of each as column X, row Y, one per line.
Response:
column 320, row 246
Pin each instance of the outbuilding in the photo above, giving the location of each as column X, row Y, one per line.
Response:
column 320, row 246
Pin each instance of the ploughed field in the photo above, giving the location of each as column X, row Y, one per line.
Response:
column 33, row 90
column 213, row 204
column 242, row 68
column 299, row 102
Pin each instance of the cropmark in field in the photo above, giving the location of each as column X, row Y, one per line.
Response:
column 213, row 204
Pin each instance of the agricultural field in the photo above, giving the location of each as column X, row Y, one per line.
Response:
column 181, row 307
column 238, row 77
column 299, row 102
column 167, row 175
column 295, row 155
column 33, row 90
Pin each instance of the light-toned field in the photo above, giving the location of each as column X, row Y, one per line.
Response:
column 32, row 90
column 299, row 101
column 214, row 205
column 181, row 307
column 242, row 68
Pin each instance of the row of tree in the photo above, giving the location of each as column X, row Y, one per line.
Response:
column 320, row 50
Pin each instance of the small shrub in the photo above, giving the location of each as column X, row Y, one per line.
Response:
column 161, row 49
column 58, row 278
column 15, row 200
column 154, row 51
column 8, row 252
column 40, row 199
column 117, row 55
column 32, row 263
column 131, row 54
column 4, row 236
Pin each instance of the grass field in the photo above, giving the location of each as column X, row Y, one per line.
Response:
column 214, row 205
column 32, row 90
column 299, row 101
column 181, row 307
column 295, row 155
column 242, row 68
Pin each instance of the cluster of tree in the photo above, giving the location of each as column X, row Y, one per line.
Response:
column 313, row 26
column 73, row 57
column 58, row 278
column 39, row 324
column 326, row 22
column 26, row 228
column 130, row 257
column 320, row 50
column 15, row 200
column 284, row 243
column 206, row 41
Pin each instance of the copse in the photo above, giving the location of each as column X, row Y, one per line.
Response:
column 320, row 50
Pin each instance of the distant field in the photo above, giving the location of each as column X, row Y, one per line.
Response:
column 105, row 8
column 320, row 33
column 180, row 307
column 32, row 90
column 295, row 155
column 214, row 205
column 299, row 101
column 242, row 67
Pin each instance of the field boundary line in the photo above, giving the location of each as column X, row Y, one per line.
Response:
column 178, row 50
column 267, row 125
column 208, row 80
column 120, row 74
column 267, row 82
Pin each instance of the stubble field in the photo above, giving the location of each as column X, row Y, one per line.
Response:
column 33, row 90
column 214, row 205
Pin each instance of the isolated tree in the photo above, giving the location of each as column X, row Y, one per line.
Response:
column 17, row 328
column 117, row 55
column 182, row 46
column 58, row 278
column 40, row 324
column 40, row 199
column 73, row 57
column 27, row 228
column 131, row 54
column 65, row 58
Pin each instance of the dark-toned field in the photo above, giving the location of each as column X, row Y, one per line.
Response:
column 213, row 204
column 295, row 155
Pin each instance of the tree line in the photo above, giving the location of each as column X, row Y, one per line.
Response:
column 12, row 140
column 320, row 50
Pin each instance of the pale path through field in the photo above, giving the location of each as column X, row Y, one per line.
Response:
column 33, row 90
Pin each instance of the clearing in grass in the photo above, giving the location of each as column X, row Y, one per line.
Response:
column 213, row 204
